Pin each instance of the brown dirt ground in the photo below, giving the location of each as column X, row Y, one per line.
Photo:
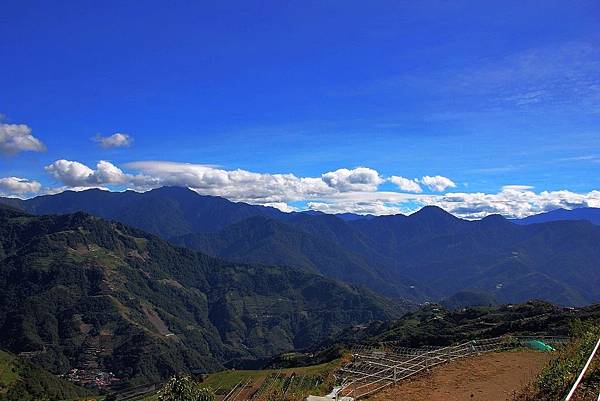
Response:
column 489, row 377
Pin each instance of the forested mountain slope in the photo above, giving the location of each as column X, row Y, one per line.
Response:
column 166, row 211
column 79, row 290
column 23, row 381
column 428, row 255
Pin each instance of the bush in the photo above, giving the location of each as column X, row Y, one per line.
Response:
column 557, row 378
column 184, row 388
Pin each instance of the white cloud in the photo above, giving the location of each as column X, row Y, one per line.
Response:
column 108, row 173
column 238, row 185
column 117, row 140
column 358, row 207
column 284, row 207
column 15, row 186
column 69, row 172
column 516, row 187
column 512, row 203
column 376, row 203
column 358, row 179
column 437, row 183
column 75, row 174
column 15, row 138
column 406, row 184
column 343, row 190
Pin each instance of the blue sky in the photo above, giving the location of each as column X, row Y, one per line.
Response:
column 264, row 99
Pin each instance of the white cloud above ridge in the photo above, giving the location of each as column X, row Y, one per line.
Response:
column 406, row 184
column 237, row 185
column 375, row 207
column 358, row 179
column 75, row 174
column 512, row 203
column 15, row 186
column 437, row 183
column 516, row 187
column 15, row 138
column 343, row 190
column 284, row 207
column 116, row 140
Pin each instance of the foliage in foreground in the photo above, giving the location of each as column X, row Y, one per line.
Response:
column 23, row 381
column 557, row 378
column 185, row 388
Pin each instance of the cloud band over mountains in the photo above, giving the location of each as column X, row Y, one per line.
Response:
column 354, row 190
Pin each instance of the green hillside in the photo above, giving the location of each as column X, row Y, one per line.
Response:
column 81, row 292
column 427, row 256
column 22, row 381
column 435, row 325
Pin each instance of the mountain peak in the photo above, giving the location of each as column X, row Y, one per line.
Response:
column 433, row 212
column 173, row 190
column 495, row 218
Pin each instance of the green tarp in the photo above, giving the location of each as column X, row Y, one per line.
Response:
column 539, row 345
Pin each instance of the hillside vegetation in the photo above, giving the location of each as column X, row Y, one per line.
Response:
column 292, row 376
column 435, row 325
column 80, row 292
column 558, row 377
column 427, row 256
column 22, row 381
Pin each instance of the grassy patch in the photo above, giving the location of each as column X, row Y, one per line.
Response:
column 8, row 373
column 229, row 378
column 273, row 384
column 557, row 378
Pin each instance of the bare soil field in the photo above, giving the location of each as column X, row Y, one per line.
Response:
column 489, row 377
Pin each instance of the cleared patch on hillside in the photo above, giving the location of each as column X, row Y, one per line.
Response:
column 155, row 319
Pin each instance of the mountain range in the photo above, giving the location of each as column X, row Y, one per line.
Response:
column 590, row 214
column 78, row 291
column 428, row 255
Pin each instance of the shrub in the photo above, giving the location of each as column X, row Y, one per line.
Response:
column 557, row 378
column 184, row 388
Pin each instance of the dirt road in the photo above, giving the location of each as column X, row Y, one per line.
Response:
column 489, row 377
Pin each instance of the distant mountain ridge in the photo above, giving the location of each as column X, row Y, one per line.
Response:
column 165, row 211
column 584, row 213
column 428, row 255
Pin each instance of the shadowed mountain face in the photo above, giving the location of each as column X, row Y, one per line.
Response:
column 81, row 290
column 427, row 255
column 585, row 213
column 166, row 212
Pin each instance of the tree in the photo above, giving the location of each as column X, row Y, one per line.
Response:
column 184, row 388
